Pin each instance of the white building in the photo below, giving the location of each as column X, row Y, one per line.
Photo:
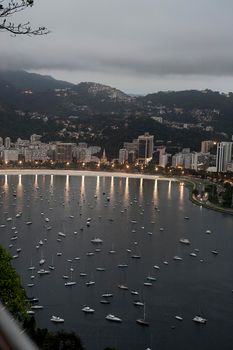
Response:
column 145, row 147
column 123, row 155
column 224, row 155
column 10, row 155
column 7, row 143
column 207, row 145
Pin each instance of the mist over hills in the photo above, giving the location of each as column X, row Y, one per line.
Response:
column 103, row 115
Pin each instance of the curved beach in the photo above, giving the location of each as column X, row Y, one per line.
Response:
column 66, row 172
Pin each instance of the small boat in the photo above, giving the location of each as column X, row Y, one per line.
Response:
column 70, row 284
column 37, row 307
column 148, row 284
column 43, row 272
column 88, row 310
column 42, row 261
column 179, row 318
column 199, row 319
column 193, row 254
column 122, row 286
column 142, row 321
column 215, row 252
column 31, row 312
column 107, row 295
column 113, row 318
column 186, row 217
column 90, row 253
column 156, row 267
column 96, row 240
column 208, row 231
column 82, row 274
column 14, row 238
column 134, row 292
column 151, row 278
column 90, row 283
column 135, row 256
column 138, row 303
column 62, row 234
column 177, row 258
column 30, row 285
column 59, row 253
column 57, row 319
column 28, row 222
column 184, row 241
column 47, row 219
column 104, row 301
column 161, row 229
column 100, row 269
column 122, row 266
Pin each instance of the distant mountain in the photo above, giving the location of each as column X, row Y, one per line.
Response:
column 99, row 113
column 103, row 92
column 23, row 80
column 35, row 92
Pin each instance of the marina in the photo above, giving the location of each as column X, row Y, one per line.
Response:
column 132, row 269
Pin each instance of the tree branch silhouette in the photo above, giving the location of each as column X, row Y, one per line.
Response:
column 10, row 8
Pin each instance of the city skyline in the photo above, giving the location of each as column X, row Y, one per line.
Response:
column 213, row 157
column 140, row 47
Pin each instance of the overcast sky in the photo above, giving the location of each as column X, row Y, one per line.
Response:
column 138, row 46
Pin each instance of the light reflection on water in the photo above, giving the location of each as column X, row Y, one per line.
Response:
column 181, row 287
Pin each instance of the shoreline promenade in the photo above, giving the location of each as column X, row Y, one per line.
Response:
column 65, row 172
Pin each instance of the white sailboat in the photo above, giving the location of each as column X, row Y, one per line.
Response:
column 71, row 282
column 142, row 321
column 113, row 318
column 57, row 319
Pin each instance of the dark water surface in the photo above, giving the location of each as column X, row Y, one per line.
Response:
column 196, row 285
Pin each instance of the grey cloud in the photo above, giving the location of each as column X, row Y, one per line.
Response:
column 131, row 38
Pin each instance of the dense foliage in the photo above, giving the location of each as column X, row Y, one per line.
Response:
column 11, row 292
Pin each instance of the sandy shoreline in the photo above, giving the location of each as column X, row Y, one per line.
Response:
column 65, row 172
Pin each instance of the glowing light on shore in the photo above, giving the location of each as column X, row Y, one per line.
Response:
column 51, row 180
column 82, row 189
column 141, row 187
column 169, row 189
column 112, row 186
column 126, row 194
column 36, row 181
column 6, row 181
column 156, row 189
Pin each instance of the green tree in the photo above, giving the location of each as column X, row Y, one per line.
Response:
column 12, row 294
column 227, row 195
column 8, row 9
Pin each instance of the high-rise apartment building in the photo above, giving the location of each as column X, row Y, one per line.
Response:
column 123, row 155
column 207, row 145
column 145, row 147
column 7, row 143
column 64, row 152
column 224, row 155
